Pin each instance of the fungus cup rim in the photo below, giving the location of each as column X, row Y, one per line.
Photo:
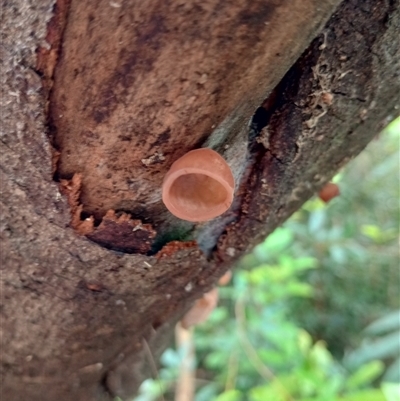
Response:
column 213, row 212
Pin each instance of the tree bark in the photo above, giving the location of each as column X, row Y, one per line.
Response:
column 78, row 318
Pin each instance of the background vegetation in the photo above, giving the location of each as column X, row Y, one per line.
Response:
column 312, row 314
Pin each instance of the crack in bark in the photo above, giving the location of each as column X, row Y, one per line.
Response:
column 336, row 92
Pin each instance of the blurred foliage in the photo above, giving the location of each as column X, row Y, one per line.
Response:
column 291, row 325
column 356, row 243
column 381, row 341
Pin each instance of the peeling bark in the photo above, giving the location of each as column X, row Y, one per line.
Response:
column 78, row 320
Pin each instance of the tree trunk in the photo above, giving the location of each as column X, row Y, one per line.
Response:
column 98, row 100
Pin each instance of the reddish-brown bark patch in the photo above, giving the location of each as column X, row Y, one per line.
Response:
column 118, row 232
column 123, row 234
column 71, row 189
column 47, row 56
column 55, row 157
column 94, row 286
column 174, row 246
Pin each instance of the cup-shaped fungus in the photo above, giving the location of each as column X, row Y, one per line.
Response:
column 224, row 280
column 201, row 309
column 328, row 192
column 199, row 186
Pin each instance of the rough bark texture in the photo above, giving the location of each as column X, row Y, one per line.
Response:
column 158, row 85
column 78, row 320
column 168, row 78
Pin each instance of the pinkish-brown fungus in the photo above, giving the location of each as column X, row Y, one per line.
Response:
column 199, row 186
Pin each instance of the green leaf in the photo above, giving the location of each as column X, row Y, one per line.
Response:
column 305, row 263
column 338, row 254
column 150, row 390
column 230, row 395
column 267, row 392
column 377, row 234
column 207, row 392
column 317, row 221
column 391, row 391
column 275, row 243
column 366, row 395
column 392, row 373
column 387, row 323
column 263, row 273
column 218, row 315
column 320, row 356
column 305, row 342
column 314, row 204
column 299, row 289
column 273, row 358
column 385, row 347
column 394, row 127
column 215, row 360
column 365, row 375
column 171, row 358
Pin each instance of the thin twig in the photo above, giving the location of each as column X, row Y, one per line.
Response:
column 258, row 364
column 185, row 386
column 232, row 371
column 153, row 366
